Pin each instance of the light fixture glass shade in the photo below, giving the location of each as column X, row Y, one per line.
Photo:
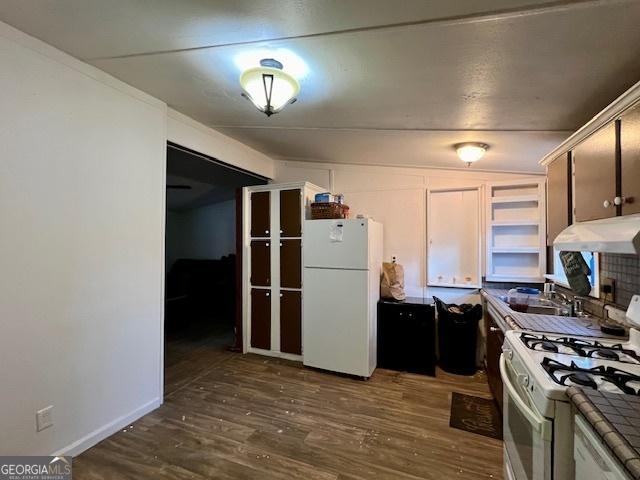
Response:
column 269, row 88
column 471, row 152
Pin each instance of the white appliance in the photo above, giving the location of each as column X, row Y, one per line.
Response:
column 341, row 288
column 614, row 235
column 536, row 369
column 593, row 460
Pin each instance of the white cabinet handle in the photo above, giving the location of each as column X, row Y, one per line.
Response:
column 267, row 294
column 606, row 204
column 266, row 231
column 622, row 200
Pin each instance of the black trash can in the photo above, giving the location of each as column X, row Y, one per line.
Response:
column 457, row 336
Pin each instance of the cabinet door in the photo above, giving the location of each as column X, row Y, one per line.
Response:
column 630, row 161
column 291, row 322
column 261, row 318
column 290, row 213
column 595, row 175
column 260, row 214
column 421, row 340
column 495, row 339
column 291, row 264
column 260, row 263
column 558, row 197
column 390, row 351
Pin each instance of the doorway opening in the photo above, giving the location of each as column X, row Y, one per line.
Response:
column 202, row 262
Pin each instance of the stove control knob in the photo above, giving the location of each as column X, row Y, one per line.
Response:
column 523, row 379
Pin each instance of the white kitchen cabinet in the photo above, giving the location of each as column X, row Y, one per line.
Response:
column 516, row 231
column 453, row 230
column 592, row 458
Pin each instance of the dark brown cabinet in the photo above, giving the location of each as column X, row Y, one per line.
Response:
column 290, row 263
column 272, row 240
column 291, row 322
column 595, row 175
column 260, row 214
column 290, row 213
column 261, row 318
column 261, row 263
column 629, row 196
column 559, row 213
column 495, row 339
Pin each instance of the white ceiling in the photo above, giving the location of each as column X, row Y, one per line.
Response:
column 385, row 85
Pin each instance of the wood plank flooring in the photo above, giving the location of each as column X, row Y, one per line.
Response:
column 233, row 416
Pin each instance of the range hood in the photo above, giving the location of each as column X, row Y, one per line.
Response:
column 612, row 235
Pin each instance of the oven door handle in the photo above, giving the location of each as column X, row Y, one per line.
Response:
column 540, row 423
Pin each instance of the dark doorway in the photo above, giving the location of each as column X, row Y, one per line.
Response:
column 202, row 255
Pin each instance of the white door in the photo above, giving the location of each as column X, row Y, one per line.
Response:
column 337, row 321
column 453, row 228
column 336, row 244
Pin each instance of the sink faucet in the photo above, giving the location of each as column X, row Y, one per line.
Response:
column 574, row 304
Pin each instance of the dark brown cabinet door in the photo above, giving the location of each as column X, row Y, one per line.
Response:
column 261, row 318
column 630, row 161
column 290, row 213
column 495, row 339
column 291, row 263
column 260, row 263
column 291, row 322
column 558, row 197
column 260, row 214
column 595, row 175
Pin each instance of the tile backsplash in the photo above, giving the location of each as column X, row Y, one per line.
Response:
column 625, row 270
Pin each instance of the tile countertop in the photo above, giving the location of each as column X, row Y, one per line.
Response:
column 585, row 327
column 616, row 420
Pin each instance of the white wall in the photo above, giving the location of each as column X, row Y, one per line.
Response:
column 191, row 134
column 207, row 232
column 82, row 173
column 82, row 209
column 397, row 198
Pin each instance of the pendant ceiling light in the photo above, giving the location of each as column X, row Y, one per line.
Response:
column 269, row 87
column 470, row 152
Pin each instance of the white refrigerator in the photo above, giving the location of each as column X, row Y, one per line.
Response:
column 341, row 288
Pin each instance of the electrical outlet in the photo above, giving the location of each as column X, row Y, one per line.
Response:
column 608, row 289
column 44, row 418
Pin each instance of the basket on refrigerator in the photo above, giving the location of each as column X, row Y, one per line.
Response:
column 328, row 210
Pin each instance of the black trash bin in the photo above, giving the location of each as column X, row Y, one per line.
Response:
column 457, row 336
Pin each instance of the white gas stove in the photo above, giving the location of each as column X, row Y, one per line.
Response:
column 536, row 370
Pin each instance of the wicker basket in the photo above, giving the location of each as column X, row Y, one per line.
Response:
column 325, row 210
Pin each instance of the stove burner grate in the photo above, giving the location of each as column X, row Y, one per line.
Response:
column 562, row 373
column 583, row 379
column 579, row 347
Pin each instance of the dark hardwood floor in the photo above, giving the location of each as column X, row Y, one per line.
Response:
column 233, row 416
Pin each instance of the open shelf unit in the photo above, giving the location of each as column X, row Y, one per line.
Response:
column 515, row 229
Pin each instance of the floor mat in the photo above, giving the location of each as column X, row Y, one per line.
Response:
column 475, row 415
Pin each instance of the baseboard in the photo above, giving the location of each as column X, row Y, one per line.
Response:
column 88, row 441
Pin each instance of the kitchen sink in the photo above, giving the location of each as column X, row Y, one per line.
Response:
column 546, row 310
column 538, row 306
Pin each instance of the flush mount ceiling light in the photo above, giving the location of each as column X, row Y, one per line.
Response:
column 470, row 152
column 268, row 87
